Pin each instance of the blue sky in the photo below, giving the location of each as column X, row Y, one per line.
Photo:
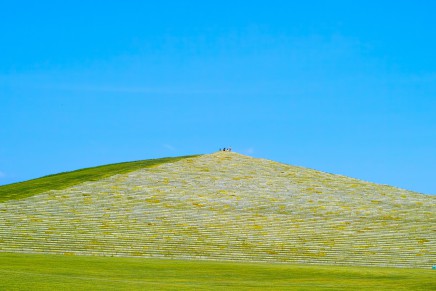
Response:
column 346, row 87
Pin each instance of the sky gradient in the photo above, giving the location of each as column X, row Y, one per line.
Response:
column 342, row 87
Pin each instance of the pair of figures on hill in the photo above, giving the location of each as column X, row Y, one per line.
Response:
column 226, row 149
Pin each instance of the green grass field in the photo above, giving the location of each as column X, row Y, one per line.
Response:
column 57, row 272
column 69, row 179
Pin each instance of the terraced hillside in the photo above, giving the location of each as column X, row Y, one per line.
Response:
column 226, row 206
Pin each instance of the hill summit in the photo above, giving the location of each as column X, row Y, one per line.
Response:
column 227, row 206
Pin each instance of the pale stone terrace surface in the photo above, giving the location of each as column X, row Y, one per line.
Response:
column 226, row 206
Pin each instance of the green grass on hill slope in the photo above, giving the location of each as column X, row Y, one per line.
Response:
column 53, row 272
column 68, row 179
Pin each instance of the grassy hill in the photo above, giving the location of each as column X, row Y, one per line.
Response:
column 68, row 179
column 228, row 207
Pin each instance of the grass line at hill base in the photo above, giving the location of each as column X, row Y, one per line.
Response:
column 53, row 272
column 68, row 179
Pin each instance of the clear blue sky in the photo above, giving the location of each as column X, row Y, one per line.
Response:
column 346, row 87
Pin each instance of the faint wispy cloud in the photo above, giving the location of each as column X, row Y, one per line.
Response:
column 2, row 174
column 131, row 89
column 249, row 151
column 169, row 147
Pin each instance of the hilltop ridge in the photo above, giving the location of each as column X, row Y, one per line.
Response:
column 227, row 206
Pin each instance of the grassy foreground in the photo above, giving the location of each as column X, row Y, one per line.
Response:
column 56, row 272
column 68, row 179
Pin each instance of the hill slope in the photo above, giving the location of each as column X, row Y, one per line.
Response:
column 68, row 179
column 226, row 206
